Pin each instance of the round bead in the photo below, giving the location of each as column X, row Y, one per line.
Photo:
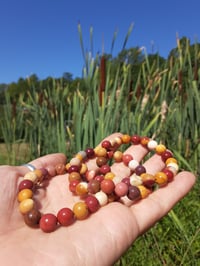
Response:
column 144, row 141
column 32, row 218
column 81, row 188
column 133, row 164
column 106, row 144
column 102, row 198
column 101, row 161
column 25, row 184
column 126, row 138
column 60, row 169
column 31, row 176
column 160, row 148
column 26, row 205
column 166, row 154
column 74, row 176
column 107, row 186
column 83, row 169
column 174, row 165
column 140, row 169
column 121, row 189
column 24, row 194
column 101, row 152
column 99, row 178
column 72, row 185
column 133, row 193
column 48, row 223
column 90, row 153
column 73, row 168
column 104, row 169
column 117, row 156
column 109, row 175
column 39, row 174
column 152, row 144
column 75, row 161
column 160, row 178
column 171, row 160
column 90, row 174
column 82, row 154
column 169, row 173
column 65, row 216
column 126, row 180
column 80, row 210
column 92, row 203
column 135, row 139
column 93, row 186
column 127, row 158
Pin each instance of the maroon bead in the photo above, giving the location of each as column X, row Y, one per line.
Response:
column 25, row 184
column 126, row 180
column 133, row 193
column 99, row 178
column 140, row 169
column 170, row 174
column 90, row 153
column 166, row 154
column 135, row 139
column 106, row 144
column 32, row 218
column 92, row 203
column 104, row 169
column 73, row 168
column 65, row 216
column 48, row 222
column 94, row 186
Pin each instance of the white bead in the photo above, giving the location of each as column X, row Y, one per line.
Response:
column 135, row 180
column 31, row 176
column 116, row 179
column 102, row 198
column 173, row 165
column 83, row 154
column 152, row 144
column 133, row 164
column 75, row 161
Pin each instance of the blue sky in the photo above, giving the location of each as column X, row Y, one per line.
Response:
column 41, row 36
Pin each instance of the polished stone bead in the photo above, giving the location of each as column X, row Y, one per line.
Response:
column 32, row 218
column 135, row 139
column 24, row 194
column 25, row 184
column 133, row 193
column 140, row 169
column 107, row 186
column 26, row 205
column 92, row 203
column 121, row 189
column 127, row 158
column 106, row 144
column 101, row 161
column 93, row 186
column 48, row 222
column 80, row 210
column 60, row 169
column 65, row 216
column 104, row 169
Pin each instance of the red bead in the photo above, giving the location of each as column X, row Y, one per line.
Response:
column 107, row 186
column 99, row 178
column 106, row 144
column 166, row 154
column 92, row 203
column 133, row 193
column 126, row 158
column 104, row 169
column 73, row 168
column 126, row 180
column 25, row 184
column 90, row 153
column 48, row 223
column 65, row 216
column 72, row 185
column 170, row 174
column 135, row 139
column 121, row 189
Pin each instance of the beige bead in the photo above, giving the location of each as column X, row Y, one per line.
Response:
column 26, row 205
column 31, row 176
column 102, row 198
column 135, row 180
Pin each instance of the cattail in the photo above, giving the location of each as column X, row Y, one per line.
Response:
column 164, row 108
column 144, row 101
column 102, row 79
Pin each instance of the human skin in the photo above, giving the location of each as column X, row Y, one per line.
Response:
column 98, row 240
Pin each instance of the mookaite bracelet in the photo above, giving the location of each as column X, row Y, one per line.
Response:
column 99, row 187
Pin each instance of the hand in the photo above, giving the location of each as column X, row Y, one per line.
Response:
column 100, row 239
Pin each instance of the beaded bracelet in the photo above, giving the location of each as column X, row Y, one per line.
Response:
column 97, row 187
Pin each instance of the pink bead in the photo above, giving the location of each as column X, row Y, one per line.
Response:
column 48, row 223
column 90, row 174
column 121, row 189
column 92, row 203
column 65, row 216
column 104, row 169
column 107, row 186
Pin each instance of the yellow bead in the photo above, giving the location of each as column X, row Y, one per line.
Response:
column 126, row 138
column 79, row 156
column 83, row 169
column 144, row 191
column 161, row 178
column 160, row 148
column 82, row 188
column 109, row 175
column 26, row 206
column 67, row 166
column 101, row 152
column 24, row 194
column 117, row 156
column 31, row 176
column 80, row 210
column 171, row 160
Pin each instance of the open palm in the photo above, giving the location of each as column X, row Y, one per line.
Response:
column 100, row 239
